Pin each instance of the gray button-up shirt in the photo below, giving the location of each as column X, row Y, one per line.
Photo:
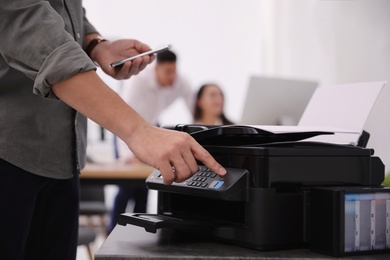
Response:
column 40, row 45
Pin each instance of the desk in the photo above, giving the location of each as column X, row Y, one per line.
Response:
column 128, row 175
column 133, row 242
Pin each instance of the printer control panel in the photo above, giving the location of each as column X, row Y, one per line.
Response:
column 204, row 183
column 205, row 179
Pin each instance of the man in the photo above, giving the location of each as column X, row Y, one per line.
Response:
column 45, row 77
column 150, row 94
column 155, row 89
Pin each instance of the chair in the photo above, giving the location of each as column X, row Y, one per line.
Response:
column 86, row 237
column 92, row 204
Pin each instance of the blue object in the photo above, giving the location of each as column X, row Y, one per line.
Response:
column 218, row 184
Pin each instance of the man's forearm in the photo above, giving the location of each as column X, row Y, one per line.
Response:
column 159, row 148
column 89, row 95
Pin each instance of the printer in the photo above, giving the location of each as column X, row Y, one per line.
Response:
column 314, row 185
column 265, row 201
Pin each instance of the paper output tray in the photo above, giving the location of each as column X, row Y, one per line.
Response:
column 153, row 222
column 241, row 135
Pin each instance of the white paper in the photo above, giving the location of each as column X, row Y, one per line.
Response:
column 341, row 109
column 342, row 106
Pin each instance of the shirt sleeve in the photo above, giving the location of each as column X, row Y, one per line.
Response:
column 88, row 27
column 34, row 41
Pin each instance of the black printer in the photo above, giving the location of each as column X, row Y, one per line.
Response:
column 264, row 202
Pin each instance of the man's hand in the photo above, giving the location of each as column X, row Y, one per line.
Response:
column 108, row 52
column 173, row 153
column 131, row 160
column 160, row 148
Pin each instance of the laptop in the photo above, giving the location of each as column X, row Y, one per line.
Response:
column 276, row 101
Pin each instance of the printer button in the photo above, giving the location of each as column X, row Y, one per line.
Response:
column 190, row 183
column 213, row 175
column 204, row 185
column 207, row 174
column 218, row 184
column 198, row 184
column 196, row 178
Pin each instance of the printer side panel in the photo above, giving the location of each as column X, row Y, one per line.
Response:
column 318, row 170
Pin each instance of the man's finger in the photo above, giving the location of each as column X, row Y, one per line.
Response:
column 191, row 162
column 152, row 58
column 145, row 62
column 202, row 155
column 182, row 172
column 135, row 67
column 167, row 173
column 124, row 70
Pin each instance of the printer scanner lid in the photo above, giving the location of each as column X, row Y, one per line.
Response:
column 249, row 140
column 240, row 135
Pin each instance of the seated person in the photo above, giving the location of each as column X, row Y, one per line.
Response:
column 209, row 106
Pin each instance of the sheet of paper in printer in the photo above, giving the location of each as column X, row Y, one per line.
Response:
column 341, row 109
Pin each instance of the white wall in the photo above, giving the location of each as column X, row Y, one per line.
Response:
column 216, row 40
column 334, row 41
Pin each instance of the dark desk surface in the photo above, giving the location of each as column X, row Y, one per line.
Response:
column 133, row 242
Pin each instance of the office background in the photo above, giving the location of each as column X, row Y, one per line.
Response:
column 227, row 41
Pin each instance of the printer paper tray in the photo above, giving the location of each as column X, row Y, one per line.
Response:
column 152, row 222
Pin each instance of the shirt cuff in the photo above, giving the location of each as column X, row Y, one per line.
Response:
column 61, row 64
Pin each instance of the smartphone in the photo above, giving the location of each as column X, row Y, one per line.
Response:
column 151, row 52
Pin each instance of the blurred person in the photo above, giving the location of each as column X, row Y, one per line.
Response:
column 150, row 93
column 156, row 88
column 209, row 106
